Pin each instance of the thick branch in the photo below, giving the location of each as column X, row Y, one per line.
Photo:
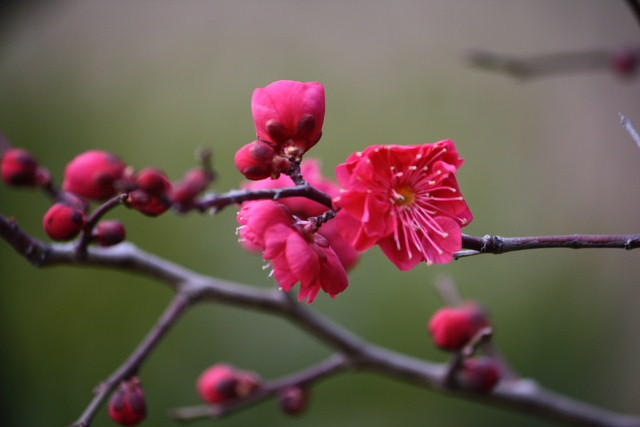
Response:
column 523, row 395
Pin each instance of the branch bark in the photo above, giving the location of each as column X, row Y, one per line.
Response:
column 523, row 395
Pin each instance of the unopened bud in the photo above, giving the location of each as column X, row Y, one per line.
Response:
column 218, row 384
column 478, row 374
column 194, row 182
column 19, row 168
column 294, row 400
column 255, row 160
column 62, row 222
column 452, row 327
column 223, row 382
column 153, row 181
column 624, row 62
column 147, row 203
column 109, row 233
column 93, row 175
column 128, row 406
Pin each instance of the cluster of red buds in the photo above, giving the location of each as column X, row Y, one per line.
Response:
column 455, row 328
column 97, row 176
column 288, row 117
column 223, row 383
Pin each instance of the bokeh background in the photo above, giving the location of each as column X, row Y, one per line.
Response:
column 154, row 80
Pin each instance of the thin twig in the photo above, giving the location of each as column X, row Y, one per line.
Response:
column 93, row 219
column 331, row 366
column 132, row 365
column 218, row 202
column 541, row 65
column 500, row 245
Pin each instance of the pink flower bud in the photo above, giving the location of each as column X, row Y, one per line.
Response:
column 62, row 222
column 19, row 168
column 452, row 327
column 147, row 203
column 218, row 384
column 294, row 400
column 194, row 182
column 222, row 382
column 478, row 374
column 256, row 160
column 289, row 113
column 93, row 175
column 109, row 233
column 128, row 406
column 153, row 181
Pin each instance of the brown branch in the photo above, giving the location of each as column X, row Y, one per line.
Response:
column 541, row 65
column 132, row 365
column 622, row 61
column 499, row 245
column 634, row 5
column 217, row 202
column 522, row 395
column 93, row 219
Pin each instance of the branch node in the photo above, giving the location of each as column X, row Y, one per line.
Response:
column 492, row 244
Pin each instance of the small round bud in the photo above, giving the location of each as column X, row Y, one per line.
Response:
column 19, row 168
column 128, row 406
column 194, row 182
column 218, row 384
column 223, row 382
column 93, row 175
column 255, row 160
column 478, row 374
column 624, row 62
column 452, row 327
column 153, row 181
column 293, row 400
column 109, row 233
column 148, row 203
column 62, row 222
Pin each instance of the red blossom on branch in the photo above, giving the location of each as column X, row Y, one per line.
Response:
column 305, row 208
column 296, row 252
column 406, row 200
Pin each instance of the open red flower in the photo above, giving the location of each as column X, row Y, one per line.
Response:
column 289, row 115
column 304, row 208
column 405, row 199
column 296, row 252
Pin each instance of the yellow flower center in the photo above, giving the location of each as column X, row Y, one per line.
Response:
column 404, row 196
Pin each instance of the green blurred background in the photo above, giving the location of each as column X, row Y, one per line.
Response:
column 154, row 80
